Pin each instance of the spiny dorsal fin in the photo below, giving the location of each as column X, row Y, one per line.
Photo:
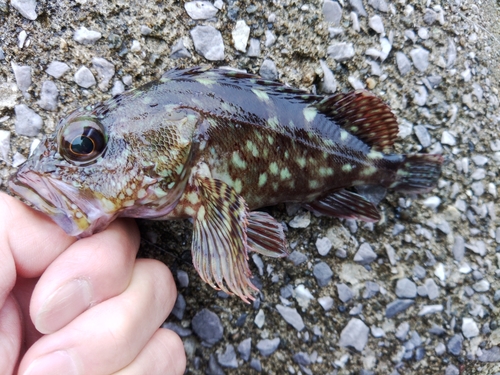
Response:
column 364, row 115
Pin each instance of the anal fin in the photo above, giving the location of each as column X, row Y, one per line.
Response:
column 219, row 247
column 345, row 204
column 265, row 235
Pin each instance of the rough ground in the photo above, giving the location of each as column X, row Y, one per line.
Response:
column 437, row 255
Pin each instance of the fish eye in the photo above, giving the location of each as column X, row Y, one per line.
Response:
column 82, row 140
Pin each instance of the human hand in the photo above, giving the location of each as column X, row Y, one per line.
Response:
column 98, row 308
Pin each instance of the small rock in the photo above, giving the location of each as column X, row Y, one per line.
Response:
column 23, row 76
column 371, row 289
column 254, row 48
column 469, row 328
column 405, row 288
column 377, row 332
column 376, row 24
column 267, row 347
column 420, row 58
column 490, row 355
column 302, row 358
column 145, row 30
column 397, row 306
column 84, row 77
column 402, row 331
column 432, row 202
column 270, row 38
column 244, row 348
column 200, row 10
column 357, row 6
column 326, row 302
column 27, row 8
column 419, row 272
column 57, row 69
column 440, row 272
column 332, row 12
column 17, row 159
column 297, row 258
column 208, row 42
column 365, row 254
column 423, row 135
column 4, row 145
column 448, row 139
column 323, row 245
column 440, row 349
column 301, row 221
column 86, row 36
column 268, row 70
column 260, row 319
column 48, row 96
column 430, row 309
column 355, row 335
column 240, row 34
column 183, row 279
column 432, row 289
column 118, row 88
column 329, row 83
column 228, row 358
column 403, row 62
column 213, row 366
column 455, row 344
column 341, row 51
column 481, row 286
column 28, row 122
column 207, row 326
column 345, row 293
column 451, row 370
column 291, row 316
column 256, row 365
column 105, row 71
column 179, row 307
column 323, row 273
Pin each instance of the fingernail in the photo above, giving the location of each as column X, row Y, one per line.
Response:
column 66, row 303
column 59, row 362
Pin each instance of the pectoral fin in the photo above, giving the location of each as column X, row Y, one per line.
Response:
column 219, row 246
column 265, row 235
column 345, row 204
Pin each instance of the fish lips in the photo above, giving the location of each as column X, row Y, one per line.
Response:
column 76, row 213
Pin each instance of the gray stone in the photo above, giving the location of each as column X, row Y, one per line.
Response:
column 23, row 76
column 440, row 349
column 207, row 326
column 432, row 289
column 430, row 16
column 397, row 306
column 420, row 58
column 145, row 30
column 419, row 272
column 86, row 36
column 270, row 38
column 179, row 307
column 228, row 358
column 377, row 332
column 469, row 328
column 490, row 355
column 2, row 54
column 479, row 160
column 448, row 139
column 357, row 6
column 327, row 302
column 430, row 309
column 179, row 50
column 341, row 51
column 402, row 331
column 48, row 96
column 323, row 245
column 376, row 24
column 268, row 70
column 255, row 364
column 365, row 254
column 213, row 366
column 455, row 344
column 267, row 347
column 297, row 257
column 28, row 122
column 200, row 10
column 355, row 335
column 240, row 34
column 4, row 145
column 345, row 293
column 481, row 286
column 84, row 77
column 371, row 289
column 57, row 69
column 27, row 8
column 254, row 48
column 182, row 278
column 405, row 288
column 380, row 5
column 244, row 348
column 302, row 358
column 433, row 203
column 291, row 316
column 332, row 12
column 208, row 42
column 260, row 319
column 105, row 71
column 118, row 87
column 423, row 135
column 323, row 273
column 181, row 331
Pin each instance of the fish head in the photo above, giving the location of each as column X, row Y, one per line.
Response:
column 93, row 169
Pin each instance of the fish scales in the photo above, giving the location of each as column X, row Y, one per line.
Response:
column 215, row 146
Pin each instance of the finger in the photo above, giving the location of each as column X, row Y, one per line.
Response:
column 88, row 272
column 10, row 335
column 163, row 354
column 29, row 242
column 110, row 335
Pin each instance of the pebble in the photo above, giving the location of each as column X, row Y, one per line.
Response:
column 397, row 306
column 469, row 328
column 324, row 245
column 2, row 54
column 57, row 69
column 145, row 30
column 455, row 344
column 423, row 135
column 208, row 42
column 301, row 221
column 386, row 48
column 256, row 365
column 23, row 35
column 179, row 307
column 105, row 71
column 451, row 370
column 439, row 271
column 228, row 358
column 322, row 273
column 355, row 22
column 302, row 359
column 48, row 96
column 376, row 24
column 23, row 76
column 270, row 38
column 355, row 335
column 405, row 288
column 182, row 278
column 4, row 144
column 84, row 78
column 200, row 10
column 490, row 355
column 478, row 174
column 268, row 69
column 380, row 5
column 118, row 88
column 419, row 272
column 430, row 309
column 27, row 8
column 371, row 289
column 303, row 296
column 432, row 202
column 365, row 254
column 423, row 33
column 329, row 83
column 181, row 331
column 402, row 331
column 135, row 46
column 479, row 160
column 341, row 51
column 254, row 48
column 420, row 96
column 240, row 34
column 357, row 6
column 403, row 62
column 244, row 348
column 377, row 332
column 440, row 349
column 86, row 36
column 345, row 293
column 332, row 12
column 432, row 289
column 327, row 302
column 17, row 159
column 179, row 50
column 207, row 326
column 27, row 122
column 420, row 58
column 481, row 286
column 213, row 366
column 448, row 139
column 267, row 347
column 291, row 316
column 297, row 257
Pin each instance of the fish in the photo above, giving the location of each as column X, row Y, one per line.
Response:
column 216, row 145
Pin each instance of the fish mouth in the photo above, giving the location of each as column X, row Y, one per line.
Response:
column 77, row 213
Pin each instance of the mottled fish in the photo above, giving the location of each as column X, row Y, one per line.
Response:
column 214, row 145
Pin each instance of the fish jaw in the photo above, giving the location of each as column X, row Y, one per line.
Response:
column 77, row 213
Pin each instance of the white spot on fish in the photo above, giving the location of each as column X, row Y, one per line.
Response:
column 238, row 186
column 310, row 113
column 285, row 174
column 301, row 161
column 262, row 179
column 368, row 171
column 347, row 167
column 273, row 168
column 238, row 161
column 262, row 95
column 141, row 193
column 374, row 155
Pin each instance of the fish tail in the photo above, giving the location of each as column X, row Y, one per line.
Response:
column 418, row 173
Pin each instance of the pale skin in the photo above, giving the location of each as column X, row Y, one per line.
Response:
column 81, row 307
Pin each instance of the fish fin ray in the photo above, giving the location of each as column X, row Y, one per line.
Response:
column 418, row 174
column 345, row 204
column 219, row 247
column 364, row 115
column 265, row 235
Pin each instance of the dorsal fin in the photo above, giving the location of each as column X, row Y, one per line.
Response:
column 364, row 115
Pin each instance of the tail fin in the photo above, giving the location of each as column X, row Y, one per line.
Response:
column 418, row 173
